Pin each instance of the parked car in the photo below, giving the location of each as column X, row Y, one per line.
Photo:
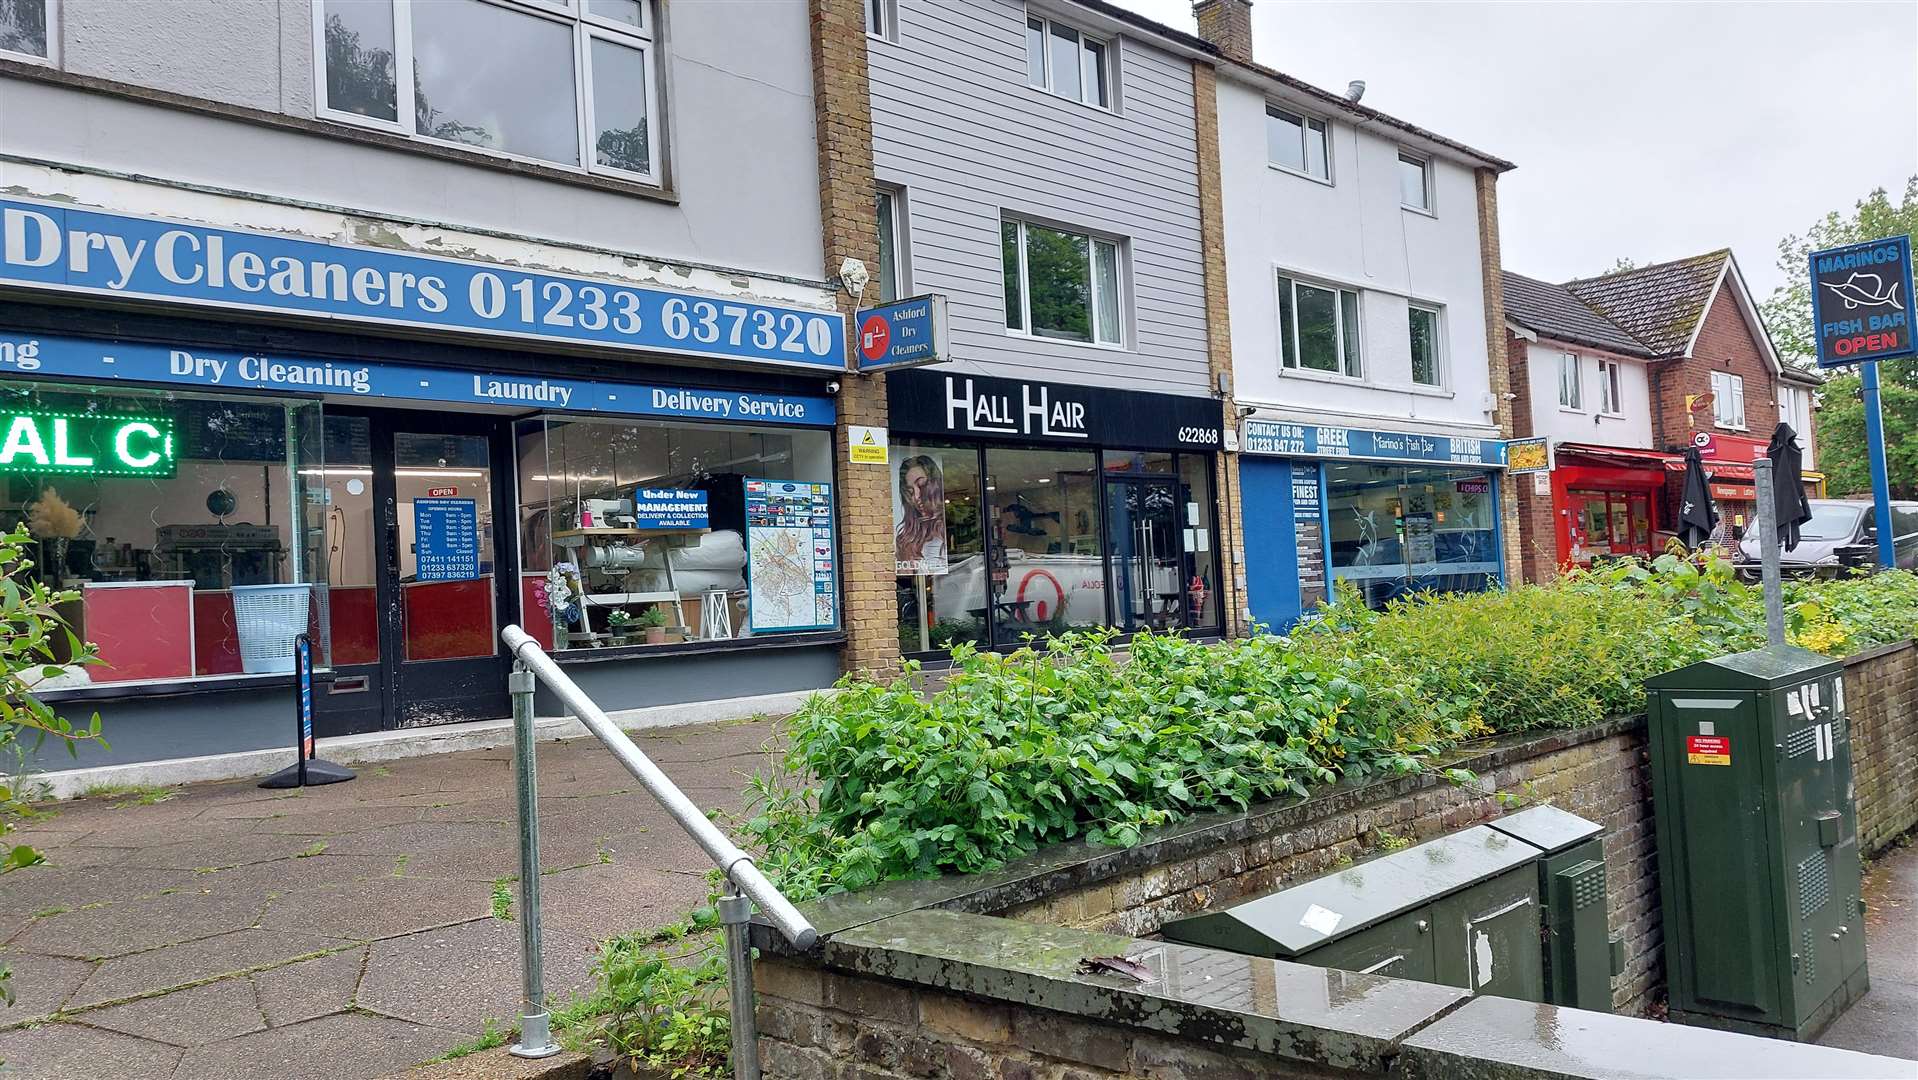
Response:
column 1841, row 532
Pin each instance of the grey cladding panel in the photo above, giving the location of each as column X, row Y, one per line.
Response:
column 956, row 125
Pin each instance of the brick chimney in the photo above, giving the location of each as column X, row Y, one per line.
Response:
column 1227, row 24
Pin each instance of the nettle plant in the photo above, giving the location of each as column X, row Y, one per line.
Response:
column 30, row 627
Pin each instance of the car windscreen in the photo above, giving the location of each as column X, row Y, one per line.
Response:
column 1831, row 521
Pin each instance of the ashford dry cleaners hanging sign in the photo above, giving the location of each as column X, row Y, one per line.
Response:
column 88, row 358
column 49, row 246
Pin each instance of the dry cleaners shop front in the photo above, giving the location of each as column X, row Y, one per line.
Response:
column 222, row 440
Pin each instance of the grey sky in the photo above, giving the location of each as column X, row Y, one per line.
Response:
column 1645, row 130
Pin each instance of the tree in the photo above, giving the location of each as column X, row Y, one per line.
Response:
column 1623, row 265
column 29, row 627
column 1841, row 415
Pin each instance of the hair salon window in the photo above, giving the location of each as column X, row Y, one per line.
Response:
column 999, row 545
column 183, row 521
column 639, row 529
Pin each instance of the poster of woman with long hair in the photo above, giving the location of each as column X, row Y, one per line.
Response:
column 919, row 516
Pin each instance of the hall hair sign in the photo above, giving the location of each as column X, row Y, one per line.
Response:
column 45, row 246
column 1861, row 302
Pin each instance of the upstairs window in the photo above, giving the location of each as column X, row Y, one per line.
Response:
column 576, row 88
column 1611, row 401
column 1061, row 60
column 1728, row 400
column 1571, row 389
column 882, row 19
column 1296, row 143
column 1061, row 284
column 1415, row 182
column 24, row 29
column 1319, row 328
column 1426, row 368
column 886, row 280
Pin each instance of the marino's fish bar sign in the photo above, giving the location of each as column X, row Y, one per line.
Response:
column 1861, row 302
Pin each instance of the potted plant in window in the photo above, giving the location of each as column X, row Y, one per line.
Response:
column 654, row 620
column 621, row 623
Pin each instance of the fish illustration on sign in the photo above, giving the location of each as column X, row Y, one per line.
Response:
column 1866, row 290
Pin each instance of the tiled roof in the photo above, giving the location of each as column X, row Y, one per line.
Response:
column 1552, row 311
column 1659, row 305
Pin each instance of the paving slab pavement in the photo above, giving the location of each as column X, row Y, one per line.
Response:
column 338, row 932
column 1885, row 1021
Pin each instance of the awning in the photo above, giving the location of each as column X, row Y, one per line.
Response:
column 1621, row 457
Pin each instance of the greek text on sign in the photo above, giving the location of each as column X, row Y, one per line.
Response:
column 48, row 246
column 670, row 508
column 1861, row 302
column 1708, row 750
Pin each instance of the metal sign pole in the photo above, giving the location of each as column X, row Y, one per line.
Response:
column 1880, row 477
column 307, row 769
column 1768, row 551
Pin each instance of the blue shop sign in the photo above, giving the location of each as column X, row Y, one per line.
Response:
column 1861, row 302
column 902, row 335
column 446, row 539
column 1313, row 440
column 670, row 508
column 48, row 246
column 89, row 358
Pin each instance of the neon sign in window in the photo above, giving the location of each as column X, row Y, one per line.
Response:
column 32, row 441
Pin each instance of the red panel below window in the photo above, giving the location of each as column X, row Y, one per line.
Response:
column 144, row 631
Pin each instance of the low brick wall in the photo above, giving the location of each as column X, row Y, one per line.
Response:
column 1881, row 693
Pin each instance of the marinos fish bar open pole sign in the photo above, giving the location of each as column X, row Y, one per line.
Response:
column 1861, row 314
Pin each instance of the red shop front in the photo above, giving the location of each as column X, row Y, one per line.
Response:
column 1605, row 500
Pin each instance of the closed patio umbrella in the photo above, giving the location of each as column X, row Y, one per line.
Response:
column 1789, row 504
column 1696, row 515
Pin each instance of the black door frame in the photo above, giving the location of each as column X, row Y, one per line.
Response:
column 476, row 685
column 1116, row 616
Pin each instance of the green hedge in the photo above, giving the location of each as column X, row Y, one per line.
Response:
column 1064, row 738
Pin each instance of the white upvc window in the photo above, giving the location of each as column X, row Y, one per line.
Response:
column 1571, row 383
column 1319, row 328
column 889, row 278
column 1611, row 401
column 1728, row 400
column 569, row 83
column 1415, row 182
column 1062, row 284
column 1428, row 345
column 27, row 30
column 1069, row 62
column 1297, row 143
column 882, row 19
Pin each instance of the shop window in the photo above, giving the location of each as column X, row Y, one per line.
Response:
column 1728, row 400
column 1397, row 531
column 1201, row 550
column 579, row 73
column 24, row 29
column 1065, row 61
column 1061, row 285
column 1427, row 369
column 1045, row 570
column 939, row 546
column 1296, row 143
column 1319, row 327
column 183, row 521
column 661, row 533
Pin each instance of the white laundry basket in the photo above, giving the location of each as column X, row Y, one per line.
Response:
column 268, row 618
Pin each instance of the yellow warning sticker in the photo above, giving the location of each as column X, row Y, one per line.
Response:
column 866, row 445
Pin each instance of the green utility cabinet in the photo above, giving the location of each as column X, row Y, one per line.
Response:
column 1571, row 889
column 1462, row 910
column 1757, row 842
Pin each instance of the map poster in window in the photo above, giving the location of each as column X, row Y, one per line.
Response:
column 791, row 569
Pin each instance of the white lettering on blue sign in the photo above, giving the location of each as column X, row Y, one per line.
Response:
column 1307, row 440
column 65, row 248
column 86, row 358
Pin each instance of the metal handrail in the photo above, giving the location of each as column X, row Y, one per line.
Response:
column 746, row 885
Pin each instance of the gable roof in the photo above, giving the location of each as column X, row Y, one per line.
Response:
column 1552, row 311
column 1662, row 305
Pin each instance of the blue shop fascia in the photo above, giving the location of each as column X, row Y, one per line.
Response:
column 1388, row 513
column 221, row 440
